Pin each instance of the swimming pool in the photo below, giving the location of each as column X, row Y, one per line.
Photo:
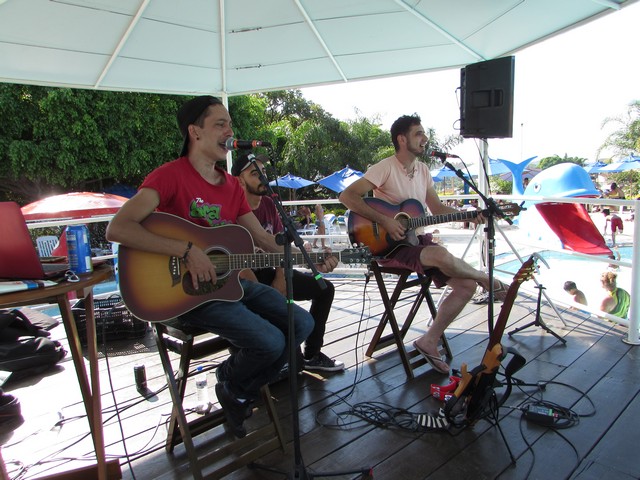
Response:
column 563, row 267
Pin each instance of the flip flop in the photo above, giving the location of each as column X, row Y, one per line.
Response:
column 431, row 359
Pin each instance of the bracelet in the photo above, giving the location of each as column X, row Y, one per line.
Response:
column 186, row 252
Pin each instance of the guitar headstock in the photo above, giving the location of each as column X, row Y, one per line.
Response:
column 355, row 255
column 526, row 271
column 511, row 209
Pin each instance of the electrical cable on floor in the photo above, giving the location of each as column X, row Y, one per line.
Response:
column 377, row 413
column 343, row 399
column 551, row 415
column 54, row 456
column 113, row 397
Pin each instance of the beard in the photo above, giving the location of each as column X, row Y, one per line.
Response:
column 418, row 151
column 260, row 190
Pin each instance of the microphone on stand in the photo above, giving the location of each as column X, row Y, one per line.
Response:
column 441, row 155
column 233, row 144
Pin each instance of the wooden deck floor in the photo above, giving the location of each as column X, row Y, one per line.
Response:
column 595, row 361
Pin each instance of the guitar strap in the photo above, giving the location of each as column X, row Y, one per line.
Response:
column 515, row 364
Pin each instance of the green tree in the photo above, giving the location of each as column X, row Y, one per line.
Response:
column 555, row 160
column 58, row 140
column 626, row 139
column 55, row 140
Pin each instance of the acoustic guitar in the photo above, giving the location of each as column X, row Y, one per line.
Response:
column 157, row 287
column 411, row 215
column 471, row 398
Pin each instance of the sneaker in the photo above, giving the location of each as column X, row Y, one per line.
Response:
column 234, row 411
column 321, row 362
column 282, row 374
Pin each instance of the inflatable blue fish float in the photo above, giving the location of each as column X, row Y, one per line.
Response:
column 570, row 222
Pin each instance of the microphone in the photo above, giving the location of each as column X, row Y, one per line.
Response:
column 233, row 144
column 441, row 155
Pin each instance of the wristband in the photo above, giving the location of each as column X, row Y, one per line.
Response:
column 186, row 252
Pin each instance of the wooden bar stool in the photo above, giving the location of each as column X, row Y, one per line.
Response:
column 229, row 456
column 410, row 360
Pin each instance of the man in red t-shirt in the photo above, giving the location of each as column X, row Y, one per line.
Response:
column 194, row 188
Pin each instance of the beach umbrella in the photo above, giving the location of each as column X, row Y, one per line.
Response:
column 441, row 173
column 630, row 162
column 73, row 205
column 341, row 179
column 495, row 167
column 291, row 181
column 500, row 166
column 527, row 173
column 595, row 167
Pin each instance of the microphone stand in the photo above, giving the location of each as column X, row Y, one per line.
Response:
column 289, row 235
column 493, row 211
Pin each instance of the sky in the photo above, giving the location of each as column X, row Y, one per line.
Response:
column 565, row 87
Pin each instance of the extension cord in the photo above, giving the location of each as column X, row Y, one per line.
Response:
column 541, row 415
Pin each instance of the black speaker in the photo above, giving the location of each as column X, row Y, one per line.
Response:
column 486, row 100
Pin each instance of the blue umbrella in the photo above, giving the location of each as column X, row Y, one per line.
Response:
column 441, row 173
column 595, row 167
column 630, row 162
column 291, row 181
column 341, row 179
column 495, row 167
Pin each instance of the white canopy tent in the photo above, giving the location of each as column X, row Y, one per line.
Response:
column 233, row 47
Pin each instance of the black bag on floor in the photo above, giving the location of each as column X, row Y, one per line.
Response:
column 29, row 356
column 15, row 324
column 25, row 349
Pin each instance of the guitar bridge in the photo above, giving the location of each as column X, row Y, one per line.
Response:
column 376, row 230
column 174, row 270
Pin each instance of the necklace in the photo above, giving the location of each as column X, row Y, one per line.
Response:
column 411, row 173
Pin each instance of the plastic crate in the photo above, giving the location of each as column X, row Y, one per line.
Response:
column 113, row 320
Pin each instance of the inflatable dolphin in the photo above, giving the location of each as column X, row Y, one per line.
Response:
column 570, row 223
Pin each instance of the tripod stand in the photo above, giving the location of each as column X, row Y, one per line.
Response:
column 538, row 322
column 285, row 238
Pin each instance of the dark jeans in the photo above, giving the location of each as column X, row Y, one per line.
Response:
column 257, row 325
column 305, row 287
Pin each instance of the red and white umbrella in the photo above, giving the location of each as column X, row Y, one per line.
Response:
column 73, row 205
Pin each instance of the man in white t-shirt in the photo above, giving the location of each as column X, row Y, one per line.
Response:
column 396, row 179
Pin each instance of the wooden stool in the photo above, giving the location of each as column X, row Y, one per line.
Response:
column 175, row 337
column 413, row 359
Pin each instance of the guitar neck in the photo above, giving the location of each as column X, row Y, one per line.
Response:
column 264, row 260
column 444, row 218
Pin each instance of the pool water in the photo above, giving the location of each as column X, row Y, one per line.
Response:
column 101, row 288
column 584, row 272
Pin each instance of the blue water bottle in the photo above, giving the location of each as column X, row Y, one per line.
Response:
column 79, row 249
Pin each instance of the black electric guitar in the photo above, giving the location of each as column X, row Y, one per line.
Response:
column 411, row 215
column 471, row 398
column 157, row 287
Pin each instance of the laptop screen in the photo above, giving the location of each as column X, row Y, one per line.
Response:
column 18, row 256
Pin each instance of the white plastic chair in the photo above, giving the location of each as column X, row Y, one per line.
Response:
column 46, row 244
column 331, row 227
column 309, row 229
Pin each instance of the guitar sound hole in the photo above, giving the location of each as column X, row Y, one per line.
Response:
column 403, row 219
column 220, row 260
column 204, row 288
